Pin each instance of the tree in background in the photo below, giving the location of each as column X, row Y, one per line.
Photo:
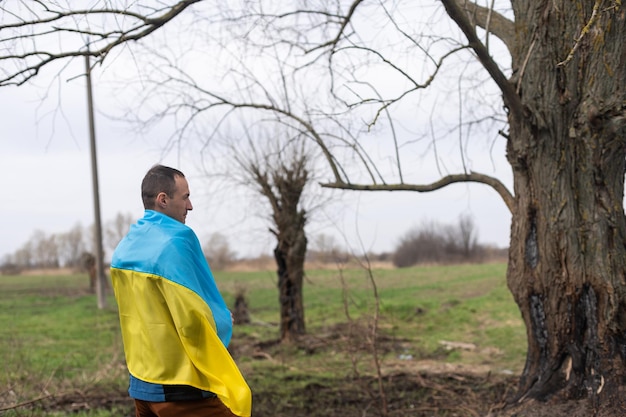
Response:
column 45, row 250
column 71, row 249
column 465, row 236
column 218, row 252
column 325, row 249
column 420, row 245
column 280, row 173
column 432, row 242
column 72, row 246
column 23, row 257
column 116, row 228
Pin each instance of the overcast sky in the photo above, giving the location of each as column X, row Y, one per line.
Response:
column 44, row 158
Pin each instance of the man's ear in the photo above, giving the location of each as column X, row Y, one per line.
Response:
column 161, row 200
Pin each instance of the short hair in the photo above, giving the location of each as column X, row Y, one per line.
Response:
column 158, row 179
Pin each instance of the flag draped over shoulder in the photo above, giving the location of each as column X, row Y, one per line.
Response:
column 175, row 323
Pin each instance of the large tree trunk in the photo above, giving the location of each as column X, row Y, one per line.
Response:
column 284, row 187
column 290, row 256
column 290, row 253
column 283, row 184
column 567, row 266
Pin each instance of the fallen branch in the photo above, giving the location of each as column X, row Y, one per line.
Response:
column 25, row 403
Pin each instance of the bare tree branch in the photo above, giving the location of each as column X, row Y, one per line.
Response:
column 344, row 23
column 20, row 67
column 493, row 22
column 494, row 183
column 511, row 99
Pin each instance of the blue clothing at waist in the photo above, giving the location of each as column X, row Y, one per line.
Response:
column 146, row 391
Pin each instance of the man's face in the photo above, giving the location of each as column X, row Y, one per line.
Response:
column 177, row 205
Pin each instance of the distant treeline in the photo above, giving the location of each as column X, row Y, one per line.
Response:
column 431, row 242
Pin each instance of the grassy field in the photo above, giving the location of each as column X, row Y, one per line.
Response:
column 60, row 354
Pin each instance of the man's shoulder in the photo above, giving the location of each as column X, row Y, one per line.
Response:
column 162, row 231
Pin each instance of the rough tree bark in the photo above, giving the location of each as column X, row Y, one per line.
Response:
column 568, row 233
column 290, row 250
column 289, row 253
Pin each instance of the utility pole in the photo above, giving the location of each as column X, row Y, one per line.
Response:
column 100, row 278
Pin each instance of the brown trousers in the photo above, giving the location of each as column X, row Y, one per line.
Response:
column 209, row 407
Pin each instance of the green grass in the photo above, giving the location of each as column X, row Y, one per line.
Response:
column 50, row 332
column 54, row 340
column 421, row 305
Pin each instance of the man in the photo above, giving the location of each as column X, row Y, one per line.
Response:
column 175, row 324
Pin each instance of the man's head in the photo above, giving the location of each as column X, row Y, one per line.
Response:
column 166, row 190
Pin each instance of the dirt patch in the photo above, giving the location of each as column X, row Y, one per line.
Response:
column 400, row 394
column 397, row 395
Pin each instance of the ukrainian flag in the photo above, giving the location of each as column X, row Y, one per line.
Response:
column 175, row 323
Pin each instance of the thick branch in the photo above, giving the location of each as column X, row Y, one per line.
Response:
column 494, row 183
column 493, row 22
column 511, row 99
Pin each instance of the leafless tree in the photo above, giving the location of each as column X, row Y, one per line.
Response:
column 439, row 243
column 71, row 246
column 280, row 174
column 45, row 250
column 326, row 249
column 554, row 68
column 218, row 251
column 116, row 228
column 424, row 244
column 23, row 257
column 465, row 236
